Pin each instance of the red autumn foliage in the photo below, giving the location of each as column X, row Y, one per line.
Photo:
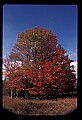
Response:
column 45, row 67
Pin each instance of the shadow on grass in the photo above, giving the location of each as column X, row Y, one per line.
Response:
column 11, row 116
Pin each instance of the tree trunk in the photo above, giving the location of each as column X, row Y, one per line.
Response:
column 11, row 94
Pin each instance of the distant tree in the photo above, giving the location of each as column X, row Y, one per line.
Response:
column 46, row 67
column 14, row 74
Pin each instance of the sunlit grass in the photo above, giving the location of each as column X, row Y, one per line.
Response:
column 40, row 107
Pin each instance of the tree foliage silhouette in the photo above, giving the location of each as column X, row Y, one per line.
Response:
column 45, row 65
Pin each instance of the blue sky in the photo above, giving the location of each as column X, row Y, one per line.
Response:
column 62, row 20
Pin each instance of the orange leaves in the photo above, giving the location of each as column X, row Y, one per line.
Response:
column 55, row 40
column 40, row 63
column 44, row 60
column 32, row 91
column 19, row 88
column 55, row 60
column 41, row 92
column 40, row 76
column 50, row 79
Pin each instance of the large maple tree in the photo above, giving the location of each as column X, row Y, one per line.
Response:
column 46, row 66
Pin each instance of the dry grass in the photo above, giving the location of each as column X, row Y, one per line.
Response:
column 40, row 107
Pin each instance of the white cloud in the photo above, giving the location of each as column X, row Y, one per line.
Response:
column 5, row 52
column 4, row 56
column 17, row 64
column 75, row 67
column 72, row 53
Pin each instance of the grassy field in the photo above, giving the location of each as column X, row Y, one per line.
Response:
column 40, row 107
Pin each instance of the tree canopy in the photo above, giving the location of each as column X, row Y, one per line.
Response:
column 45, row 68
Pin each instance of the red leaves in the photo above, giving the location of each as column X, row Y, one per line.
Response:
column 55, row 39
column 41, row 92
column 55, row 60
column 44, row 60
column 29, row 72
column 19, row 88
column 32, row 91
column 40, row 76
column 50, row 79
column 48, row 67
